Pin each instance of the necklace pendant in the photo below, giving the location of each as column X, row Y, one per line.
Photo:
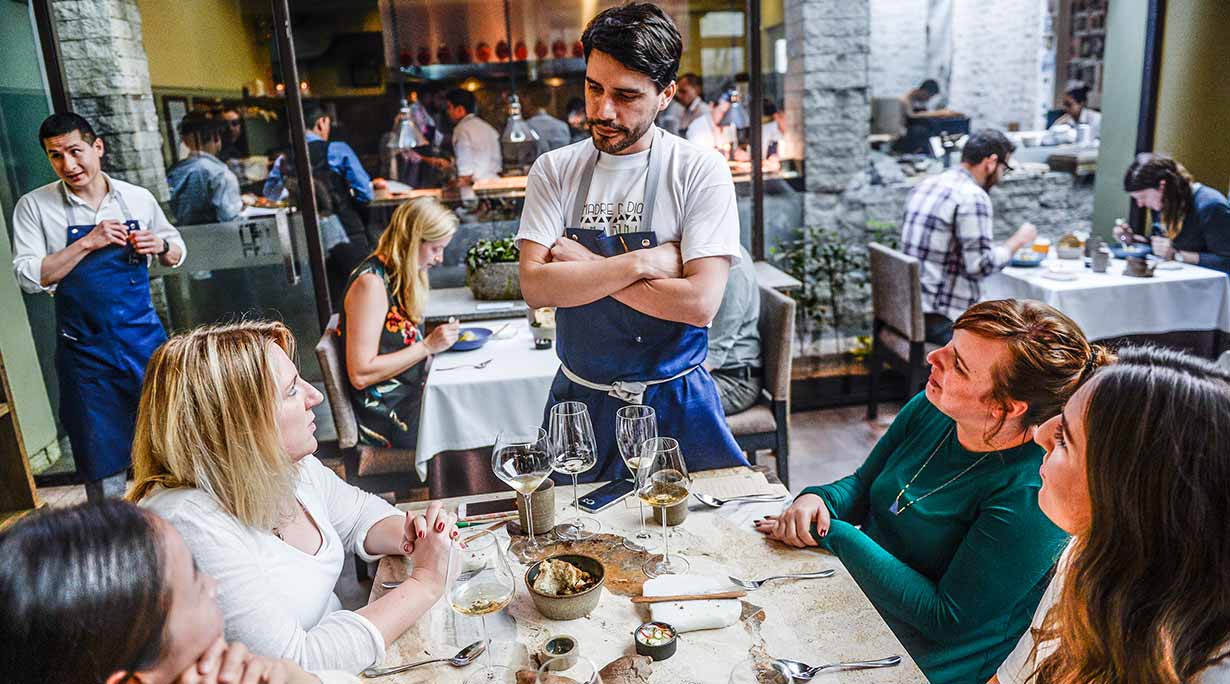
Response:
column 893, row 508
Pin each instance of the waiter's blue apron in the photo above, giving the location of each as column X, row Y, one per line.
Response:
column 107, row 331
column 607, row 342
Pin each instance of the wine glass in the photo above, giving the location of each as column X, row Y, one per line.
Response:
column 662, row 481
column 573, row 452
column 480, row 581
column 521, row 459
column 753, row 671
column 633, row 426
column 582, row 671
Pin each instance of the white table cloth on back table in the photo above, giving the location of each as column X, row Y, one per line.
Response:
column 1111, row 304
column 466, row 407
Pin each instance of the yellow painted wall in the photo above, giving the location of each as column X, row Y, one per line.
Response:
column 201, row 44
column 1193, row 97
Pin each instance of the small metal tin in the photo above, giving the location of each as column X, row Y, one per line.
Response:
column 658, row 651
column 562, row 647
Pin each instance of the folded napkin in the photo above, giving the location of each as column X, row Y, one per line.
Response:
column 690, row 616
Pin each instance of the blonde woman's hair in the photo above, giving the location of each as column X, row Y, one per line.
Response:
column 416, row 221
column 208, row 419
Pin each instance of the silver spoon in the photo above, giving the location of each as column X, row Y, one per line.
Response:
column 464, row 657
column 715, row 502
column 753, row 585
column 480, row 365
column 804, row 672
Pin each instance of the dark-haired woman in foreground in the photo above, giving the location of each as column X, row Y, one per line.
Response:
column 108, row 593
column 1136, row 470
column 952, row 549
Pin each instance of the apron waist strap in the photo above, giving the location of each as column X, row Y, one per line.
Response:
column 628, row 391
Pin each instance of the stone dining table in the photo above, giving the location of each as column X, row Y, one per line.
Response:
column 815, row 621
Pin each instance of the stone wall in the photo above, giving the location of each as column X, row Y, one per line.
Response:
column 107, row 76
column 997, row 62
column 898, row 46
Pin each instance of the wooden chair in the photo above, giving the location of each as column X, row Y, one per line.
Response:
column 766, row 425
column 373, row 469
column 898, row 334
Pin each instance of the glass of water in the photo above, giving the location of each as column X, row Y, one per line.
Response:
column 573, row 451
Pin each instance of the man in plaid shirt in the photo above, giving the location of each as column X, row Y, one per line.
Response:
column 947, row 227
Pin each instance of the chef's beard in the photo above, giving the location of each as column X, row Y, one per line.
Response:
column 629, row 138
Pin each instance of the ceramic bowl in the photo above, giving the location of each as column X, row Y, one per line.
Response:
column 481, row 335
column 1064, row 252
column 573, row 606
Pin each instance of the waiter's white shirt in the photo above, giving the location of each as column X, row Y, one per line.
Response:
column 40, row 221
column 1088, row 117
column 695, row 203
column 477, row 146
column 701, row 129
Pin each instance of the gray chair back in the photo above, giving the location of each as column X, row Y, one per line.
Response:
column 331, row 355
column 896, row 291
column 776, row 327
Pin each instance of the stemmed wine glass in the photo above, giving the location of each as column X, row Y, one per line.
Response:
column 634, row 425
column 480, row 581
column 521, row 459
column 582, row 671
column 573, row 451
column 753, row 671
column 662, row 481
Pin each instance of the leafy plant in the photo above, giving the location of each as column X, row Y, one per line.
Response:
column 833, row 271
column 483, row 252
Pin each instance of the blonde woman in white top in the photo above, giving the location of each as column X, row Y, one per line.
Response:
column 1136, row 470
column 223, row 451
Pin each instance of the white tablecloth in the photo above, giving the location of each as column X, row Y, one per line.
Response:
column 465, row 408
column 1111, row 304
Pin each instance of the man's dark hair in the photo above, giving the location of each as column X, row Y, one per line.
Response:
column 312, row 112
column 693, row 80
column 639, row 36
column 465, row 99
column 770, row 107
column 201, row 125
column 575, row 105
column 63, row 124
column 1079, row 93
column 931, row 86
column 984, row 143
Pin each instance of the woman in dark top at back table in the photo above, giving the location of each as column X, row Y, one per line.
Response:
column 1194, row 218
column 386, row 351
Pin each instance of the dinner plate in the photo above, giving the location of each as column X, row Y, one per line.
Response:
column 1060, row 275
column 1168, row 266
column 1122, row 252
column 481, row 335
column 1027, row 263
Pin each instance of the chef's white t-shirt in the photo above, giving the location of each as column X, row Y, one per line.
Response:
column 695, row 204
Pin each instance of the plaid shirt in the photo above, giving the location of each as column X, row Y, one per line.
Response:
column 947, row 226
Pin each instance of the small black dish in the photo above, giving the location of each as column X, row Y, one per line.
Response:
column 657, row 651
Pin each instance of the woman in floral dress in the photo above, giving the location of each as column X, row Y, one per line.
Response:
column 386, row 351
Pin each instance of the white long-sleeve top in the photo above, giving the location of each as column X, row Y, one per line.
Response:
column 40, row 222
column 276, row 599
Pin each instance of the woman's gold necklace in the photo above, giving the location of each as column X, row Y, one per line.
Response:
column 898, row 509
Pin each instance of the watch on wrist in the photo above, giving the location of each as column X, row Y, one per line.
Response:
column 1178, row 256
column 166, row 247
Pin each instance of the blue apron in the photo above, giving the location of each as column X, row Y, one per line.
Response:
column 107, row 331
column 608, row 343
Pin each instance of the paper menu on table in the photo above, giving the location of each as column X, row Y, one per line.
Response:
column 736, row 484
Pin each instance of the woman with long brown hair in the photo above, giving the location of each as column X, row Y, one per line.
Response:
column 381, row 321
column 1136, row 470
column 224, row 452
column 1194, row 218
column 952, row 549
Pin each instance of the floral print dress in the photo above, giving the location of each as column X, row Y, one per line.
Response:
column 388, row 412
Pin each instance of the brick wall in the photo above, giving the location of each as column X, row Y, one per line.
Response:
column 898, row 46
column 107, row 77
column 997, row 62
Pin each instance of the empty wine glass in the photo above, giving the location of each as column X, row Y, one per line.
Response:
column 480, row 581
column 633, row 426
column 662, row 481
column 521, row 459
column 582, row 671
column 573, row 451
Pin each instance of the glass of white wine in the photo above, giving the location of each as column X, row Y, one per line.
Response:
column 521, row 459
column 480, row 581
column 662, row 481
column 575, row 669
column 634, row 425
column 573, row 451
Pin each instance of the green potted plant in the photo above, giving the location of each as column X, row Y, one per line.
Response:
column 492, row 269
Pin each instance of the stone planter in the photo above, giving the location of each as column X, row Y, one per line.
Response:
column 495, row 281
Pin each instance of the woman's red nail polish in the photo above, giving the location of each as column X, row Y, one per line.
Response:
column 439, row 527
column 453, row 535
column 422, row 534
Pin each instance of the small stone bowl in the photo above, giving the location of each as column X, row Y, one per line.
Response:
column 562, row 650
column 675, row 515
column 573, row 606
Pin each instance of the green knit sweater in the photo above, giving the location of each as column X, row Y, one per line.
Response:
column 956, row 575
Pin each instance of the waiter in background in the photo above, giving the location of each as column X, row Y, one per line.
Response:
column 632, row 234
column 87, row 239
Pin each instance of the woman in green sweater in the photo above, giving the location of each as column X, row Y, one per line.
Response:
column 952, row 549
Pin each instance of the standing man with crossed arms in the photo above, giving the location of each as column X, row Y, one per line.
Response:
column 631, row 234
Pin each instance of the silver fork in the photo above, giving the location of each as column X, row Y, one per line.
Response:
column 753, row 585
column 480, row 365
